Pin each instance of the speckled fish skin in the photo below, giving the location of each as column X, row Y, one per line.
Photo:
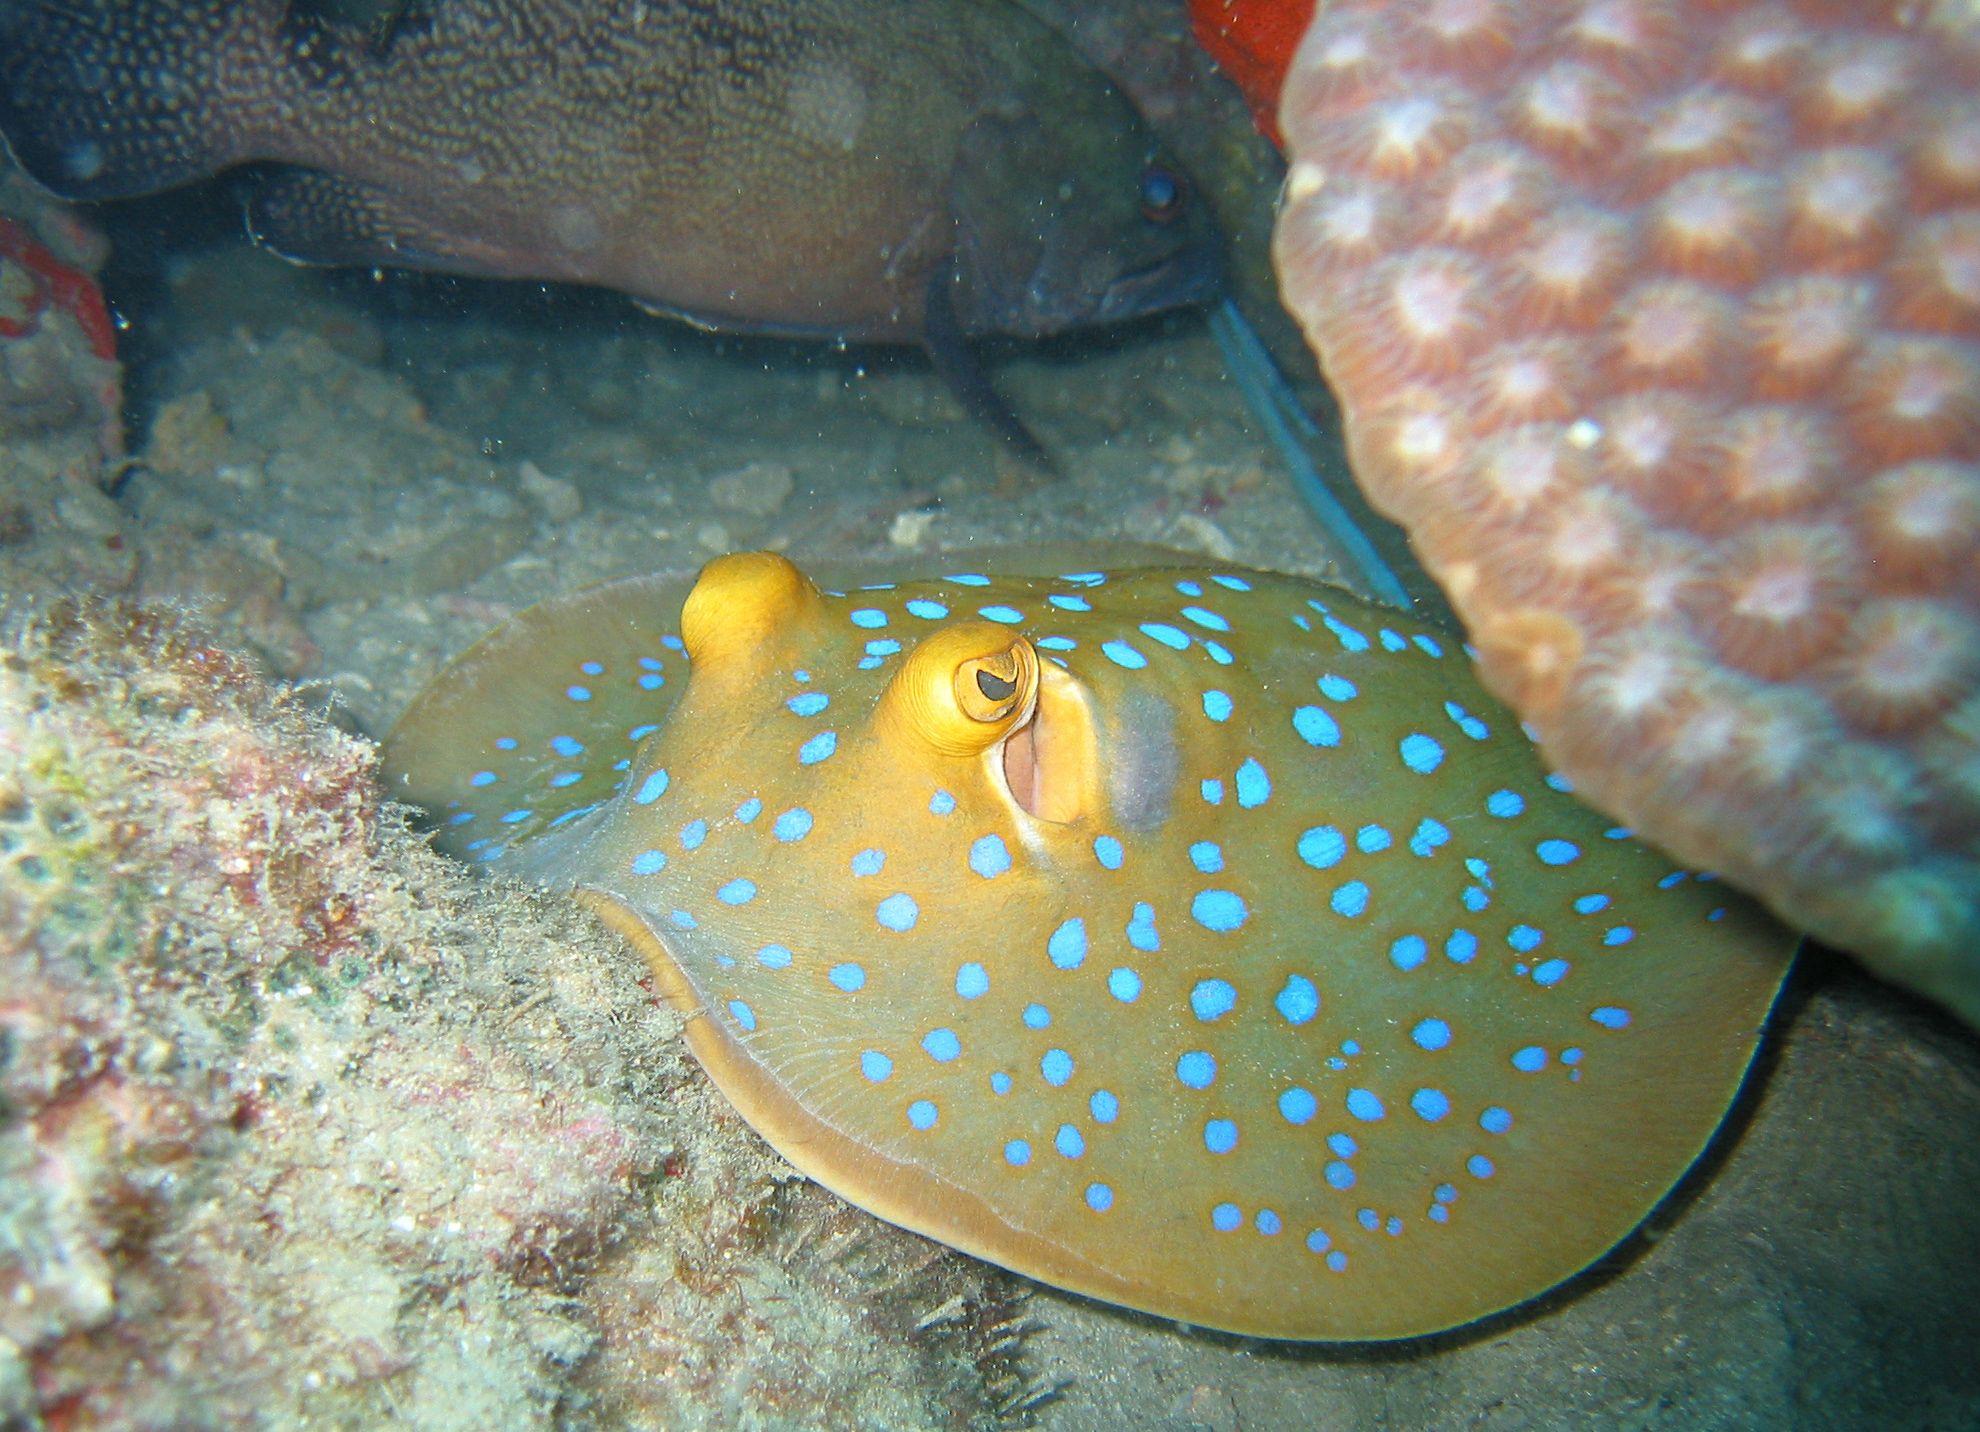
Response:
column 1206, row 941
column 798, row 166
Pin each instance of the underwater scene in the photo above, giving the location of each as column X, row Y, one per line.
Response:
column 1179, row 714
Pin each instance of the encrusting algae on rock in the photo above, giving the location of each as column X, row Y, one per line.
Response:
column 298, row 1126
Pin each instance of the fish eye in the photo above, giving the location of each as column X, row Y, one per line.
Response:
column 1162, row 195
column 991, row 688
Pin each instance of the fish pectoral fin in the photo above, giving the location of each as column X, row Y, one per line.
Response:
column 310, row 217
column 950, row 351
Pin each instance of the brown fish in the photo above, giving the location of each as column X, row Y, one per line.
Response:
column 890, row 170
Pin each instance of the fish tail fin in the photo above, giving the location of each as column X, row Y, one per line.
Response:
column 102, row 99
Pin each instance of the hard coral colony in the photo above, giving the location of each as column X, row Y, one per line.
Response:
column 1658, row 324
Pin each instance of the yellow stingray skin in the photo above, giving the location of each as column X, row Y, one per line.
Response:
column 1207, row 941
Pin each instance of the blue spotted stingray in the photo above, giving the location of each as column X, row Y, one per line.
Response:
column 1207, row 941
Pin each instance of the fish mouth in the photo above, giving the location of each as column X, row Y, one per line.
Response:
column 1191, row 276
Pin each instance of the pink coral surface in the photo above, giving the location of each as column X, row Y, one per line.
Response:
column 1657, row 323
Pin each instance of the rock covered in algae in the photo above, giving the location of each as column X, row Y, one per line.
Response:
column 295, row 1127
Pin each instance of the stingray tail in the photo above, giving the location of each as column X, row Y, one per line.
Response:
column 101, row 99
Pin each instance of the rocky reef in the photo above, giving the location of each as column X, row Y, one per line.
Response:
column 297, row 1125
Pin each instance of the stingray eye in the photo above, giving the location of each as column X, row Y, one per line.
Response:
column 990, row 688
column 1162, row 195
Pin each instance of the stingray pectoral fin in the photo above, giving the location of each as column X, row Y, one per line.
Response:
column 528, row 727
column 901, row 1193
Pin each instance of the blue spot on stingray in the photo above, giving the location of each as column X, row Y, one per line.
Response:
column 774, row 957
column 1561, row 783
column 1056, row 1067
column 1550, row 972
column 1189, row 588
column 1220, row 1136
column 1430, row 835
column 1000, row 1083
column 1478, row 1166
column 1057, row 643
column 818, row 748
column 1350, row 639
column 1099, row 1197
column 578, row 693
column 941, row 803
column 505, row 743
column 1299, row 1001
column 972, row 981
column 1206, row 857
column 567, row 746
column 1420, row 753
column 1350, row 900
column 1254, row 787
column 1017, row 1153
column 1619, row 935
column 516, row 817
column 650, row 681
column 793, row 824
column 882, row 646
column 1610, row 1016
column 1217, row 652
column 1336, row 688
column 1557, row 852
column 1036, row 1016
column 651, row 789
column 928, row 611
column 1171, row 637
column 743, row 1014
column 1212, row 999
column 1525, row 939
column 591, row 668
column 1494, row 1120
column 1104, row 1106
column 848, row 977
column 649, row 862
column 640, row 733
column 1363, row 1104
column 749, row 810
column 1322, row 847
column 1343, row 1145
column 1529, row 1060
column 1235, row 584
column 968, row 579
column 460, row 817
column 1461, row 948
column 1000, row 613
column 1590, row 904
column 1504, row 804
column 1226, row 1217
column 1408, row 951
column 1069, row 604
column 1121, row 654
column 1339, row 1175
column 875, row 1065
column 682, row 919
column 1220, row 911
column 808, row 703
column 1430, row 1104
column 1372, row 840
column 1431, row 1034
column 566, row 778
column 922, row 1113
column 897, row 912
column 1298, row 1106
column 1067, row 944
column 942, row 1045
column 1108, row 852
column 1217, row 705
column 693, row 834
column 1141, row 928
column 1068, row 1142
column 1124, row 985
column 989, row 856
column 868, row 862
column 1316, row 727
column 1204, row 617
column 737, row 892
column 1213, row 792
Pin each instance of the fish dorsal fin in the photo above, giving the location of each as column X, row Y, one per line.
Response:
column 310, row 217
